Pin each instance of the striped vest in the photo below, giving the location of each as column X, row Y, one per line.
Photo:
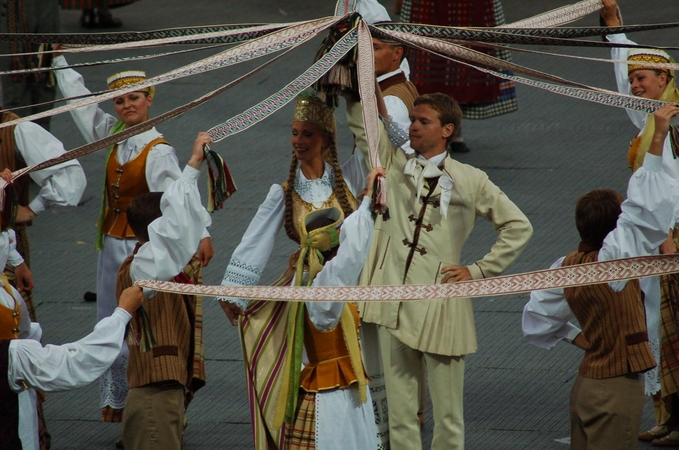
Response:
column 399, row 86
column 172, row 320
column 614, row 324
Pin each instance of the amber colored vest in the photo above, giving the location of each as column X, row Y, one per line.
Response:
column 399, row 86
column 329, row 364
column 172, row 320
column 10, row 318
column 614, row 324
column 9, row 405
column 124, row 183
column 12, row 160
column 301, row 208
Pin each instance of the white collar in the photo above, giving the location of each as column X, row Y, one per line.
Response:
column 436, row 160
column 381, row 78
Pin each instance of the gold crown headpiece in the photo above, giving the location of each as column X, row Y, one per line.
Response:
column 122, row 79
column 310, row 108
column 648, row 55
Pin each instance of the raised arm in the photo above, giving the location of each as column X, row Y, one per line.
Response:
column 648, row 212
column 174, row 237
column 610, row 15
column 91, row 120
column 345, row 268
column 386, row 149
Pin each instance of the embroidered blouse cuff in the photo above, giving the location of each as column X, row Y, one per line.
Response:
column 397, row 136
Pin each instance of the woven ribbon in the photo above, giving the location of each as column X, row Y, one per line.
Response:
column 290, row 36
column 570, row 276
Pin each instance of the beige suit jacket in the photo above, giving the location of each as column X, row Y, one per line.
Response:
column 441, row 326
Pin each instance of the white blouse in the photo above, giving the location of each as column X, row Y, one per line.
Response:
column 647, row 215
column 173, row 237
column 62, row 185
column 252, row 254
column 162, row 166
column 55, row 368
column 638, row 118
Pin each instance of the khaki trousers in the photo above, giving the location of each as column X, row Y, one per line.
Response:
column 606, row 413
column 153, row 418
column 403, row 375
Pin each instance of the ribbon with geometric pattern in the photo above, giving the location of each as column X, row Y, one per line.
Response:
column 563, row 277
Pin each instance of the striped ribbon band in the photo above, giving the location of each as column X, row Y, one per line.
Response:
column 234, row 125
column 344, row 7
column 559, row 16
column 544, row 36
column 134, row 130
column 569, row 276
column 273, row 103
column 596, row 95
column 257, row 48
column 248, row 31
column 110, row 61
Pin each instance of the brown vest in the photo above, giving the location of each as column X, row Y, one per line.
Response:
column 329, row 362
column 614, row 324
column 10, row 318
column 399, row 86
column 12, row 160
column 172, row 321
column 123, row 183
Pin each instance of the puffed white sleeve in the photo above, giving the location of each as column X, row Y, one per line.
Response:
column 162, row 169
column 638, row 118
column 63, row 367
column 252, row 254
column 14, row 258
column 92, row 121
column 173, row 237
column 546, row 317
column 345, row 268
column 646, row 217
column 62, row 185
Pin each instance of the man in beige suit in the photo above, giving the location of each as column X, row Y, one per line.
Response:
column 433, row 202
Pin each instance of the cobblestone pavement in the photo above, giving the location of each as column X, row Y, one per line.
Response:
column 544, row 156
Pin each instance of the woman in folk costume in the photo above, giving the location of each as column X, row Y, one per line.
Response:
column 661, row 293
column 332, row 409
column 142, row 163
column 315, row 180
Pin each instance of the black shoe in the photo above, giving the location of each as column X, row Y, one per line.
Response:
column 87, row 19
column 458, row 147
column 90, row 296
column 104, row 19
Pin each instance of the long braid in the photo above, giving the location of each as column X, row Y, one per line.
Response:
column 341, row 190
column 289, row 188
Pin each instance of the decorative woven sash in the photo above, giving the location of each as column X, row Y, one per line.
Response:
column 257, row 48
column 578, row 275
column 292, row 35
